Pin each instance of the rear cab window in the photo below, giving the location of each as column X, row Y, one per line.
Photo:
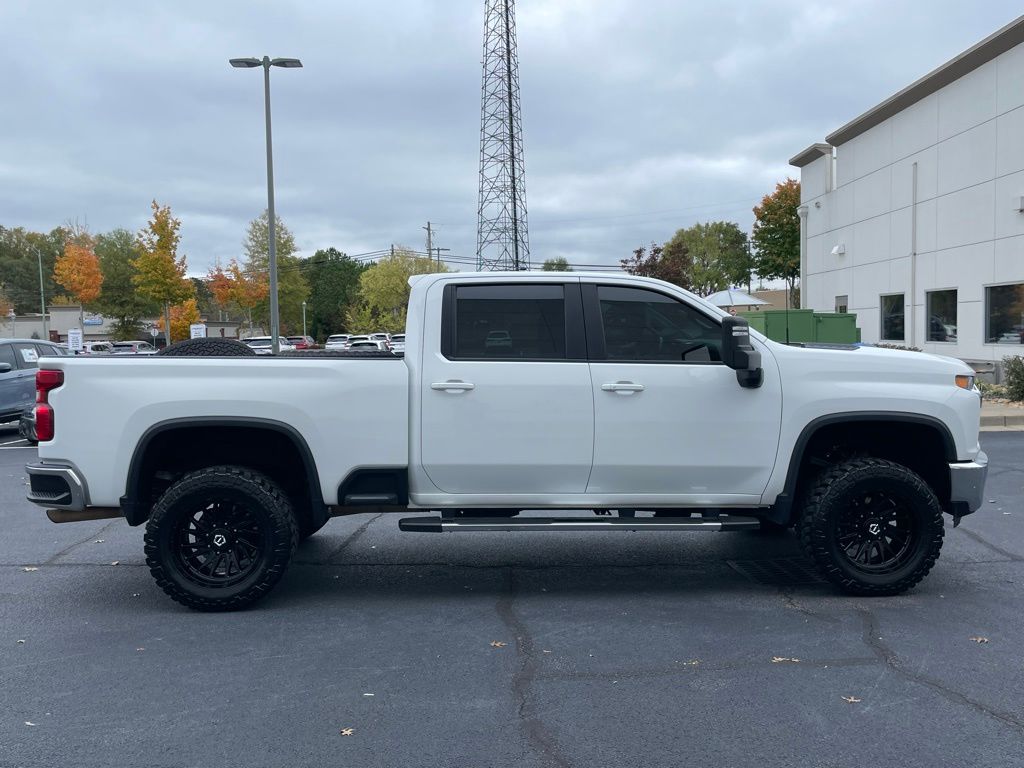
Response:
column 510, row 322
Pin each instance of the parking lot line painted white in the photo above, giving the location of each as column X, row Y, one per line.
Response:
column 12, row 442
column 15, row 447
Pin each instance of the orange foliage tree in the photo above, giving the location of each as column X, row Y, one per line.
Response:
column 182, row 316
column 159, row 271
column 234, row 286
column 78, row 272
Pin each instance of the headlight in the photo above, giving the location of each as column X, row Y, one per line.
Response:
column 965, row 381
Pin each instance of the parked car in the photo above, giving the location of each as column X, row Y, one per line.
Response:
column 337, row 341
column 398, row 343
column 611, row 393
column 354, row 340
column 133, row 348
column 262, row 345
column 97, row 348
column 381, row 336
column 302, row 342
column 369, row 344
column 18, row 363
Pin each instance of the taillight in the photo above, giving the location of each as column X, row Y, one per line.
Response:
column 45, row 381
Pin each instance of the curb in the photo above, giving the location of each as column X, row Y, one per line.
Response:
column 1014, row 420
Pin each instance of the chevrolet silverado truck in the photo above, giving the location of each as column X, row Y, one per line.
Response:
column 525, row 402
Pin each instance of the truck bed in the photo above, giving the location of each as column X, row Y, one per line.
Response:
column 351, row 409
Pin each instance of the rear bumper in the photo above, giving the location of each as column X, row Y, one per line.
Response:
column 56, row 487
column 967, row 484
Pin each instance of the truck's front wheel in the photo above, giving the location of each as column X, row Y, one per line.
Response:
column 220, row 538
column 873, row 527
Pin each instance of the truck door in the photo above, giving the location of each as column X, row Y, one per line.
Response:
column 670, row 418
column 507, row 406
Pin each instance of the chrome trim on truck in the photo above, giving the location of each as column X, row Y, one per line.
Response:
column 967, row 483
column 73, row 499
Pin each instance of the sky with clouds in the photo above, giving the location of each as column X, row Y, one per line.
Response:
column 639, row 116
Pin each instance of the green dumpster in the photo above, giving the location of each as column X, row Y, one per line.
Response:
column 805, row 326
column 836, row 328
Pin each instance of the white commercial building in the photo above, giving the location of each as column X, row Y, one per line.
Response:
column 912, row 214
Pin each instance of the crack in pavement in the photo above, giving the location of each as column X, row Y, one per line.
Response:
column 988, row 544
column 526, row 672
column 352, row 539
column 689, row 668
column 91, row 537
column 892, row 662
column 791, row 602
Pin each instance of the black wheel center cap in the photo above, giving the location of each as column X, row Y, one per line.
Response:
column 219, row 539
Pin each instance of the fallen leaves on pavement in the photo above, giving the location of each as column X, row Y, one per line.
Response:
column 347, row 731
column 781, row 659
column 497, row 644
column 980, row 639
column 30, row 568
column 851, row 699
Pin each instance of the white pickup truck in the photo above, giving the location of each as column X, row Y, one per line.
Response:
column 629, row 400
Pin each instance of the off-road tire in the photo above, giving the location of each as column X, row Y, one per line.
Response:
column 207, row 348
column 260, row 498
column 840, row 492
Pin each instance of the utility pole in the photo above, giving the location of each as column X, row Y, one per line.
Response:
column 430, row 241
column 42, row 297
column 438, row 251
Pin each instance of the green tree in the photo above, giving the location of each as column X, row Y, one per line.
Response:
column 292, row 286
column 159, row 271
column 20, row 254
column 118, row 298
column 558, row 264
column 717, row 255
column 334, row 290
column 776, row 235
column 384, row 292
column 673, row 266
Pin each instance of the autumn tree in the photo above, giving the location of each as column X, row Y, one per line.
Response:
column 117, row 250
column 182, row 316
column 557, row 264
column 673, row 266
column 233, row 287
column 776, row 235
column 716, row 255
column 292, row 286
column 78, row 271
column 384, row 292
column 159, row 271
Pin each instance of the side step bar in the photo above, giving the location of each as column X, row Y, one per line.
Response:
column 445, row 524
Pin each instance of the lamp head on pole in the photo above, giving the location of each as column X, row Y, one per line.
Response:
column 286, row 63
column 244, row 63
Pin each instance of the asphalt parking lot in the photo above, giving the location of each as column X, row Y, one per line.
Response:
column 383, row 648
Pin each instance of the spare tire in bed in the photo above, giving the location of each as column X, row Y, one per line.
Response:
column 207, row 348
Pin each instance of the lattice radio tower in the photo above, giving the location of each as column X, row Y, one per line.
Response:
column 502, row 241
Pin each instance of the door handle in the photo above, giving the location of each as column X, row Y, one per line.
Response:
column 452, row 386
column 622, row 386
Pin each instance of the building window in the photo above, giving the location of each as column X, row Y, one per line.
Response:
column 842, row 303
column 892, row 317
column 941, row 315
column 1004, row 314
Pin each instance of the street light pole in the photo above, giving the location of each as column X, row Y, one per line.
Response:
column 303, row 319
column 266, row 62
column 42, row 298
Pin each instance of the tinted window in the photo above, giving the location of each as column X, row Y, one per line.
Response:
column 510, row 322
column 1004, row 314
column 26, row 354
column 941, row 315
column 647, row 325
column 7, row 355
column 50, row 350
column 892, row 317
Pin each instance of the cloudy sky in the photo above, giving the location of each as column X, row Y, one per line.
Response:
column 639, row 116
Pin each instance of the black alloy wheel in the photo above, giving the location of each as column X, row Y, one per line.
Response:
column 220, row 543
column 871, row 526
column 220, row 538
column 878, row 533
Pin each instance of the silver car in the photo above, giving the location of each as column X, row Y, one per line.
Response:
column 19, row 359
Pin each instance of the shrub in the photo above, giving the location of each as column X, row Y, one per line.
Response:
column 992, row 391
column 1013, row 371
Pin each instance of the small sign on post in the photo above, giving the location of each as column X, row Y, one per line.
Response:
column 75, row 339
column 154, row 331
column 197, row 330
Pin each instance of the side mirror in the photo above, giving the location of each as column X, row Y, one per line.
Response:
column 5, row 367
column 739, row 354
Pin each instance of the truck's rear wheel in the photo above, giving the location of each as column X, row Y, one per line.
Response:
column 873, row 527
column 220, row 538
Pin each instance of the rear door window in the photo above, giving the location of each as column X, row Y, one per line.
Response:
column 509, row 322
column 7, row 356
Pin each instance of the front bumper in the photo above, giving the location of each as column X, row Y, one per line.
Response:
column 967, row 484
column 56, row 487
